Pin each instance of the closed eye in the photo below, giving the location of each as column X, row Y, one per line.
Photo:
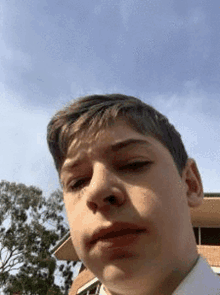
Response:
column 135, row 166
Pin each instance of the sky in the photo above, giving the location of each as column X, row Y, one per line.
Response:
column 165, row 52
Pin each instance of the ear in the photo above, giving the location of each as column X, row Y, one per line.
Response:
column 193, row 184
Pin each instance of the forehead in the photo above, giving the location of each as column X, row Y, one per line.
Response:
column 111, row 139
column 116, row 128
column 117, row 139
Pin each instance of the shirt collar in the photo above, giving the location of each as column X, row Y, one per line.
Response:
column 200, row 280
column 102, row 291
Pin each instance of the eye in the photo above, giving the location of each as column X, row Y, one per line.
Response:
column 77, row 185
column 135, row 166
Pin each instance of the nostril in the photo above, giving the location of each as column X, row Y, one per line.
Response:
column 111, row 200
column 93, row 206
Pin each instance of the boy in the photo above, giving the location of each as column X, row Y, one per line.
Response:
column 128, row 185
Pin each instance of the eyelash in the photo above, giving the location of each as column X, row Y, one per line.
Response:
column 78, row 184
column 134, row 166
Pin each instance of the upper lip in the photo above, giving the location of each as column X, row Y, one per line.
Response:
column 115, row 230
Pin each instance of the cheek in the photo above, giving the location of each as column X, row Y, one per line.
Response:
column 166, row 184
column 76, row 235
column 74, row 219
column 74, row 212
column 159, row 199
column 146, row 203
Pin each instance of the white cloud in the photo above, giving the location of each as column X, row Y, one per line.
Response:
column 15, row 56
column 24, row 154
column 195, row 116
column 126, row 9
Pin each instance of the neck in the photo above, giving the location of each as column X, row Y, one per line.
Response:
column 174, row 279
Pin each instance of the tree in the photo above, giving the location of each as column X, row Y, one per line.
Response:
column 30, row 225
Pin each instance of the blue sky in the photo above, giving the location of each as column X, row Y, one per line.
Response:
column 165, row 52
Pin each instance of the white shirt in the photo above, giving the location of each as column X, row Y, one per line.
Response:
column 200, row 280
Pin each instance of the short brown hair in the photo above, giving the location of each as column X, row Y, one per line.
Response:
column 89, row 114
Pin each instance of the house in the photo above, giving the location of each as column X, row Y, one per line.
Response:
column 206, row 224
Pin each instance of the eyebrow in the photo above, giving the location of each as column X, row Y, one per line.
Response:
column 126, row 143
column 114, row 147
column 69, row 166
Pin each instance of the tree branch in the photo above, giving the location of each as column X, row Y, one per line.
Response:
column 6, row 261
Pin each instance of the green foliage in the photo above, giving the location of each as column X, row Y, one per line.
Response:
column 30, row 226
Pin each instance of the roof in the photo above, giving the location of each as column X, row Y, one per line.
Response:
column 211, row 253
column 208, row 214
column 62, row 241
column 211, row 195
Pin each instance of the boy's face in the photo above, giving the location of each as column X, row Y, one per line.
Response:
column 127, row 205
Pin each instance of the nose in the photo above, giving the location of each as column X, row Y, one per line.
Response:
column 105, row 189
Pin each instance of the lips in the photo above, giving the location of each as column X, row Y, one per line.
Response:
column 114, row 231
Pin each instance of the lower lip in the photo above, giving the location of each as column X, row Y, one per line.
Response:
column 120, row 241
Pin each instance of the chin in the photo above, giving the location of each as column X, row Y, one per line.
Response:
column 126, row 279
column 122, row 270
